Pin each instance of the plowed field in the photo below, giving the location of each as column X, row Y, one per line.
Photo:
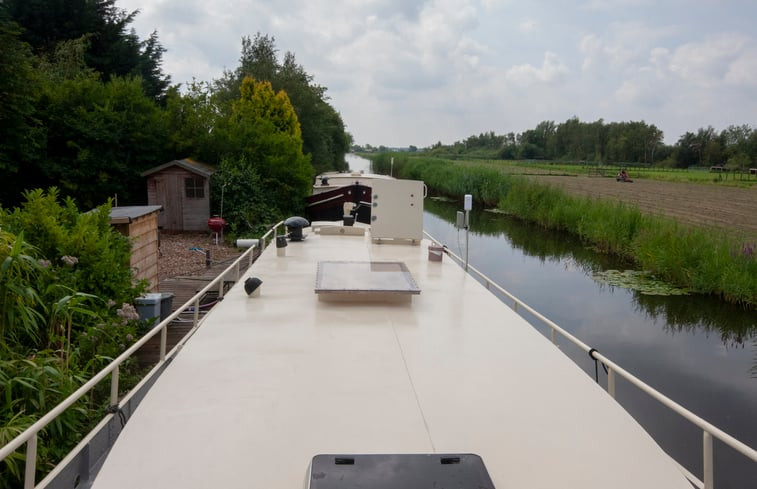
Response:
column 732, row 209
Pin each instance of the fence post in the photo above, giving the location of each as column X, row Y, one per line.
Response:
column 611, row 382
column 708, row 477
column 31, row 462
column 163, row 341
column 114, row 387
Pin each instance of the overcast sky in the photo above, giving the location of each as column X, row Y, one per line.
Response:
column 414, row 72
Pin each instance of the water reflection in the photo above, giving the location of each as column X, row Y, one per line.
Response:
column 735, row 325
column 697, row 350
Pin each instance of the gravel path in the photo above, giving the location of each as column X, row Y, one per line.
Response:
column 184, row 254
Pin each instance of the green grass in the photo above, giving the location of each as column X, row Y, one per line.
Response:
column 691, row 175
column 689, row 257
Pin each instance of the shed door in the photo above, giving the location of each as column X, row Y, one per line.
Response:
column 168, row 196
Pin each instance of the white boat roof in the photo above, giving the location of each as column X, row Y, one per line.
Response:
column 269, row 382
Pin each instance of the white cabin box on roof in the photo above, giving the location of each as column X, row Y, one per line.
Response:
column 182, row 188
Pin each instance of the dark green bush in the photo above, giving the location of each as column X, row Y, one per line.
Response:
column 66, row 295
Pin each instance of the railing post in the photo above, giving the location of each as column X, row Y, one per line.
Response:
column 114, row 387
column 196, row 316
column 163, row 341
column 553, row 335
column 236, row 272
column 220, row 285
column 708, row 477
column 31, row 463
column 611, row 382
column 515, row 306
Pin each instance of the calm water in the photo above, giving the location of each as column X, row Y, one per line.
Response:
column 698, row 351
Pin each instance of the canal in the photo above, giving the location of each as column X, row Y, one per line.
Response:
column 699, row 351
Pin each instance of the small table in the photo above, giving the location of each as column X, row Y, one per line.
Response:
column 370, row 281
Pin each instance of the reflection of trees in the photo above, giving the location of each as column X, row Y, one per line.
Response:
column 679, row 313
column 695, row 312
column 531, row 239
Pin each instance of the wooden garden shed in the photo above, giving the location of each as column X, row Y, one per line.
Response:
column 182, row 188
column 140, row 224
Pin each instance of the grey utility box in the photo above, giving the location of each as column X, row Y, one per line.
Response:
column 155, row 306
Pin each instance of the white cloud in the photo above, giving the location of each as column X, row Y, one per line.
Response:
column 707, row 62
column 743, row 70
column 419, row 71
column 610, row 5
column 527, row 26
column 551, row 70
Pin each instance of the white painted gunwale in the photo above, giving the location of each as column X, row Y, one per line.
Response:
column 267, row 383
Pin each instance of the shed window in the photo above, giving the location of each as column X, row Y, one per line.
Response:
column 194, row 188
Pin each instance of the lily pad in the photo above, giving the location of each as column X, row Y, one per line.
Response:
column 640, row 281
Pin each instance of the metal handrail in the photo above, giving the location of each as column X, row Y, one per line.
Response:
column 29, row 435
column 709, row 430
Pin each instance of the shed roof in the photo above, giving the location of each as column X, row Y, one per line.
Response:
column 186, row 163
column 126, row 214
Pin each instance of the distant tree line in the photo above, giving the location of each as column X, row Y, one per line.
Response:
column 86, row 107
column 614, row 142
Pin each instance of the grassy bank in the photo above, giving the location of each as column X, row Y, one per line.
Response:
column 699, row 259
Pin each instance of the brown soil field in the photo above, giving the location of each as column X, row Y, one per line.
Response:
column 729, row 208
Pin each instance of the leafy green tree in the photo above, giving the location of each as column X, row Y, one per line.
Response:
column 687, row 151
column 264, row 128
column 113, row 50
column 100, row 136
column 323, row 131
column 21, row 136
column 239, row 194
column 59, row 230
column 192, row 117
column 150, row 68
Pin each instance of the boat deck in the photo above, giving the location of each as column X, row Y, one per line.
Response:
column 269, row 382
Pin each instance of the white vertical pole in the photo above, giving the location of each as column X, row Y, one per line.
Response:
column 31, row 462
column 163, row 341
column 708, row 478
column 467, row 205
column 611, row 382
column 114, row 387
column 467, row 238
column 196, row 316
